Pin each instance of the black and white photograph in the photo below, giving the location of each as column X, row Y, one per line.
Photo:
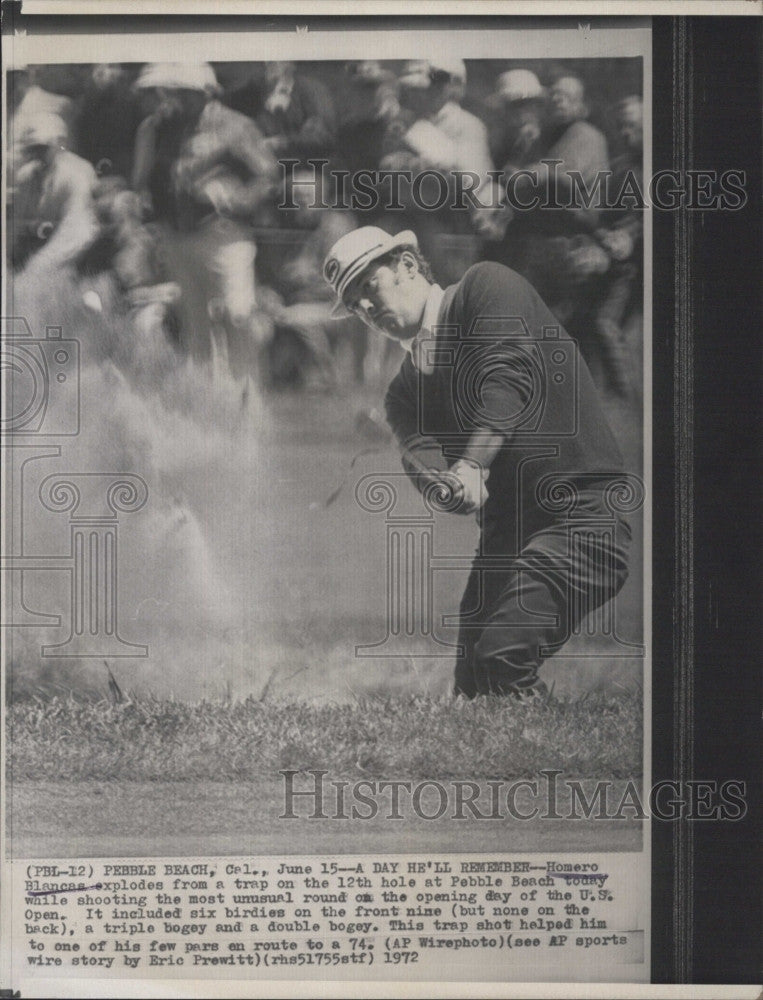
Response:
column 328, row 370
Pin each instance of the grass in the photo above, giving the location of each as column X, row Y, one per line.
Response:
column 402, row 737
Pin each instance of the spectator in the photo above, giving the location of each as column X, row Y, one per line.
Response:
column 442, row 135
column 574, row 146
column 555, row 248
column 631, row 126
column 135, row 260
column 370, row 103
column 204, row 171
column 622, row 238
column 433, row 132
column 519, row 102
column 307, row 312
column 108, row 120
column 579, row 144
column 296, row 113
column 54, row 218
column 49, row 90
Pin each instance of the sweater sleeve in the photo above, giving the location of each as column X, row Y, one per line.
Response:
column 500, row 315
column 402, row 416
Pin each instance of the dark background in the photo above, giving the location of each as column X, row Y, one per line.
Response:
column 723, row 108
column 715, row 937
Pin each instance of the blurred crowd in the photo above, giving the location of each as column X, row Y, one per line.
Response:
column 165, row 178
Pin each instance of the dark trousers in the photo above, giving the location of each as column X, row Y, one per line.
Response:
column 512, row 619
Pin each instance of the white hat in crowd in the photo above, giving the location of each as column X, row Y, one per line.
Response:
column 178, row 76
column 419, row 72
column 43, row 129
column 518, row 85
column 352, row 253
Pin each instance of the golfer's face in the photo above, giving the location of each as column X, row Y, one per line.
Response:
column 379, row 297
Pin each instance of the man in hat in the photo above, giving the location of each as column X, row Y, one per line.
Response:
column 519, row 106
column 554, row 244
column 53, row 219
column 443, row 135
column 204, row 171
column 436, row 138
column 493, row 402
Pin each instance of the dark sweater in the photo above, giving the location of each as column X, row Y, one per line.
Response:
column 504, row 363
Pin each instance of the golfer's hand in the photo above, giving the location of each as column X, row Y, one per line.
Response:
column 471, row 479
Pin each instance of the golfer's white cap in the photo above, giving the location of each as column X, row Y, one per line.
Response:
column 352, row 254
column 178, row 76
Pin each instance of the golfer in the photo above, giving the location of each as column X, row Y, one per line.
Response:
column 494, row 399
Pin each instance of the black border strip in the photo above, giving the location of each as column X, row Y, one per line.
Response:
column 706, row 875
column 726, row 899
column 683, row 503
column 664, row 447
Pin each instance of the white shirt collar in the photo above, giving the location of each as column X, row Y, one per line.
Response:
column 429, row 316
